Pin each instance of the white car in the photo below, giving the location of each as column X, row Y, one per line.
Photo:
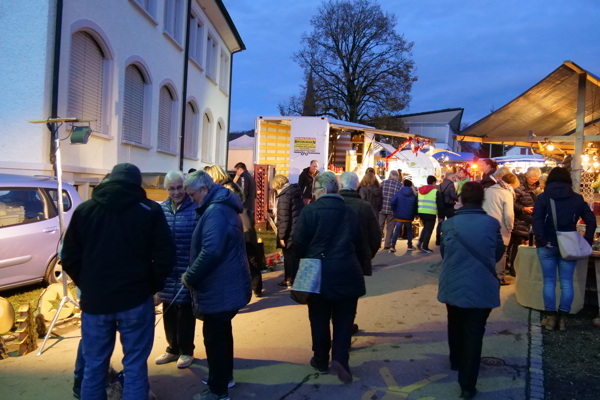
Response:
column 29, row 229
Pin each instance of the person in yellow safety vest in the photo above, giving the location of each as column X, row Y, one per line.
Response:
column 429, row 204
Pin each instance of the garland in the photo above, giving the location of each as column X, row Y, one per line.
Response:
column 416, row 145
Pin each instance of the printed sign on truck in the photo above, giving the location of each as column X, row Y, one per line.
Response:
column 305, row 145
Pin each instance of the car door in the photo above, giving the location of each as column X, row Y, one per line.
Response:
column 28, row 235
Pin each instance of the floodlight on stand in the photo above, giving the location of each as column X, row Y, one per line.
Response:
column 80, row 134
column 550, row 146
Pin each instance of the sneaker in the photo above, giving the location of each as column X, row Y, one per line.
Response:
column 322, row 370
column 185, row 361
column 419, row 245
column 426, row 251
column 392, row 249
column 411, row 249
column 166, row 358
column 343, row 374
column 230, row 384
column 208, row 395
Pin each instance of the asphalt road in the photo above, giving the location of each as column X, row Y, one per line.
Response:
column 401, row 351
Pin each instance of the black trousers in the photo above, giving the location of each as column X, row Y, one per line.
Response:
column 341, row 313
column 291, row 264
column 448, row 213
column 513, row 247
column 218, row 341
column 466, row 327
column 254, row 262
column 427, row 231
column 180, row 329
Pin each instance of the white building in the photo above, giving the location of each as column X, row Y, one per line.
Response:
column 121, row 65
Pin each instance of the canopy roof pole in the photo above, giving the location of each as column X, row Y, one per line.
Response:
column 579, row 134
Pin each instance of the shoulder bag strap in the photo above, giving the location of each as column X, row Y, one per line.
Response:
column 553, row 208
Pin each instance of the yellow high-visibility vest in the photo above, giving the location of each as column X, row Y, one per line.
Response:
column 426, row 203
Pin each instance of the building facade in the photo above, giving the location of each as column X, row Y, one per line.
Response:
column 441, row 125
column 121, row 68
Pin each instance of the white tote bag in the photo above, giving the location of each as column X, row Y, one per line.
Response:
column 572, row 245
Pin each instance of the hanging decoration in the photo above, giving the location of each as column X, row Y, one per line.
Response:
column 416, row 145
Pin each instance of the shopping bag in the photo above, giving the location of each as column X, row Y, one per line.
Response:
column 307, row 283
column 572, row 245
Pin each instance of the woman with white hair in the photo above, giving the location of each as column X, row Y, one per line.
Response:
column 178, row 318
column 329, row 230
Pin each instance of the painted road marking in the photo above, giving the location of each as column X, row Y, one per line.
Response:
column 395, row 392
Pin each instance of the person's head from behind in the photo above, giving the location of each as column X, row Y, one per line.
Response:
column 218, row 174
column 126, row 173
column 431, row 180
column 450, row 175
column 407, row 183
column 487, row 165
column 197, row 185
column 512, row 180
column 174, row 185
column 240, row 168
column 472, row 194
column 558, row 174
column 501, row 172
column 326, row 183
column 314, row 167
column 349, row 180
column 394, row 175
column 369, row 179
column 278, row 182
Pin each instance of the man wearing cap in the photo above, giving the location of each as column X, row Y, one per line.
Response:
column 118, row 250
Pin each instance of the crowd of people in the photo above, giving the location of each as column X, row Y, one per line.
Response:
column 197, row 251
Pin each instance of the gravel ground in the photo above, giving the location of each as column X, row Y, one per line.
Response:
column 572, row 359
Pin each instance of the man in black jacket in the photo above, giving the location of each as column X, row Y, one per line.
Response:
column 245, row 180
column 306, row 181
column 449, row 196
column 118, row 250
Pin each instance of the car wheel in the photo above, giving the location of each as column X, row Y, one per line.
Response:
column 55, row 273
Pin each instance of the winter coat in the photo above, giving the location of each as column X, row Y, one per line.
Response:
column 468, row 277
column 329, row 230
column 389, row 188
column 488, row 179
column 448, row 192
column 118, row 249
column 524, row 197
column 404, row 204
column 248, row 185
column 289, row 206
column 372, row 194
column 219, row 275
column 498, row 202
column 570, row 206
column 306, row 181
column 182, row 222
column 371, row 233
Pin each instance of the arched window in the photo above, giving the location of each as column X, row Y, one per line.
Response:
column 133, row 105
column 220, row 160
column 166, row 116
column 86, row 80
column 206, row 139
column 189, row 140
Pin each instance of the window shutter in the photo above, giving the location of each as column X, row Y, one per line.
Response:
column 86, row 80
column 147, row 5
column 206, row 139
column 219, row 144
column 133, row 105
column 165, row 116
column 188, row 140
column 168, row 11
column 199, row 43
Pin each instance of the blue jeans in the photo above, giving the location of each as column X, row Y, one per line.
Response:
column 550, row 259
column 136, row 327
column 409, row 232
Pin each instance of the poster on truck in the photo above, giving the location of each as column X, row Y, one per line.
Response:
column 305, row 145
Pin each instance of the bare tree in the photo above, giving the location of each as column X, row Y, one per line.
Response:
column 362, row 69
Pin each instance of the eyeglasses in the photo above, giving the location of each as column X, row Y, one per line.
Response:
column 319, row 188
column 175, row 189
column 192, row 193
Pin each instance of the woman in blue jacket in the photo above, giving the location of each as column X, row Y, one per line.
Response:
column 179, row 320
column 570, row 206
column 471, row 246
